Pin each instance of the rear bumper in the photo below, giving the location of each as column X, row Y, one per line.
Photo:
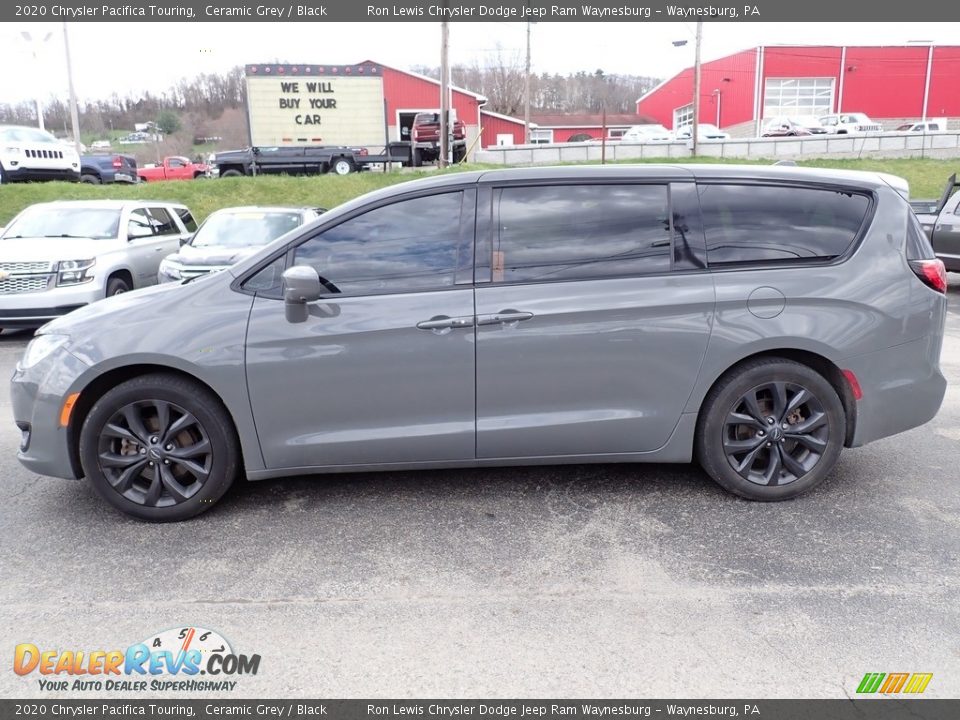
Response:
column 903, row 388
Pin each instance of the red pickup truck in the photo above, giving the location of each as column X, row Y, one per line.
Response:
column 425, row 136
column 174, row 168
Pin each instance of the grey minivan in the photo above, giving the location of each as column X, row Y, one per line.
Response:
column 757, row 319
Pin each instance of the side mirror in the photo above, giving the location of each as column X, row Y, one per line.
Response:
column 185, row 239
column 301, row 285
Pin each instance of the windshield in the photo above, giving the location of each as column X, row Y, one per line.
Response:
column 244, row 229
column 26, row 135
column 40, row 221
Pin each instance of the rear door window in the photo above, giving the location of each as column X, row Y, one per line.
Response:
column 770, row 224
column 574, row 232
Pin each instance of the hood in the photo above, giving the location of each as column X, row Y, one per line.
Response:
column 32, row 249
column 213, row 254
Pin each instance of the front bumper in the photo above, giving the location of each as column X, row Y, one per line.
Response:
column 37, row 395
column 33, row 309
column 25, row 174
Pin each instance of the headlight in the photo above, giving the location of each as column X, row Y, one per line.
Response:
column 75, row 272
column 40, row 347
column 170, row 269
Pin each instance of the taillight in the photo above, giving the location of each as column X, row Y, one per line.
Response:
column 117, row 162
column 932, row 273
column 416, row 134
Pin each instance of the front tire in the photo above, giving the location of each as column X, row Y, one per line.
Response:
column 160, row 448
column 231, row 173
column 770, row 430
column 117, row 286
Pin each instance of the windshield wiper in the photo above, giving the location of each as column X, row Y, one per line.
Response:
column 65, row 235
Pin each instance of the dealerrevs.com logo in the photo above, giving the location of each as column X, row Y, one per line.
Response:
column 172, row 660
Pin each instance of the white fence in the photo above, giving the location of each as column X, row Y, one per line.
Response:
column 880, row 145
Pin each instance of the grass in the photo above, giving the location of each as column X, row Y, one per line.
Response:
column 927, row 178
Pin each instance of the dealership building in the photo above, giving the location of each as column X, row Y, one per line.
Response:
column 891, row 84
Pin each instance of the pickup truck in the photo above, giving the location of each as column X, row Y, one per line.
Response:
column 290, row 160
column 425, row 138
column 174, row 168
column 102, row 169
column 941, row 223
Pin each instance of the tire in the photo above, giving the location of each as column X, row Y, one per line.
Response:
column 117, row 286
column 90, row 179
column 231, row 173
column 804, row 456
column 195, row 458
column 459, row 154
column 3, row 176
column 342, row 166
column 417, row 157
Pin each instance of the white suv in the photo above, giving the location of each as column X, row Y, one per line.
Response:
column 849, row 124
column 56, row 257
column 28, row 153
column 647, row 134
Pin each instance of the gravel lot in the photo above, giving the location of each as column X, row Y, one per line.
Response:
column 626, row 581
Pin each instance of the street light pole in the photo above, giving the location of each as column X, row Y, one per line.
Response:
column 36, row 61
column 444, row 94
column 74, row 119
column 696, row 88
column 526, row 93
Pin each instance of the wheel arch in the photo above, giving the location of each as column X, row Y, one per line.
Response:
column 99, row 385
column 122, row 272
column 825, row 367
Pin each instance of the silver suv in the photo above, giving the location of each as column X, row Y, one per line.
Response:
column 59, row 256
column 756, row 319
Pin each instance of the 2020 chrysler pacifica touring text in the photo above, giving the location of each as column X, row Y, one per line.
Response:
column 755, row 319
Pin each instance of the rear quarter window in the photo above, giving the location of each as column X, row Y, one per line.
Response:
column 771, row 223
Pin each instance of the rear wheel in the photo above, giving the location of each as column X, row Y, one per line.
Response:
column 770, row 430
column 342, row 166
column 160, row 448
column 90, row 179
column 231, row 173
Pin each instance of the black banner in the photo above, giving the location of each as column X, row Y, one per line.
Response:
column 879, row 709
column 477, row 11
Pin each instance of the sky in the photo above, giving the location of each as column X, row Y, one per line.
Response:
column 162, row 53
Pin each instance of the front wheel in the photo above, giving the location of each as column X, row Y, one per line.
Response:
column 231, row 173
column 770, row 430
column 117, row 286
column 159, row 447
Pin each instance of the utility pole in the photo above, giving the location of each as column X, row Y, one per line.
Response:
column 36, row 61
column 444, row 93
column 696, row 88
column 526, row 93
column 74, row 119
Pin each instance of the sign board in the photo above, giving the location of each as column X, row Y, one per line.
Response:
column 315, row 105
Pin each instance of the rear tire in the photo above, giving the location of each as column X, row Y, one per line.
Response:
column 90, row 179
column 417, row 157
column 117, row 286
column 231, row 173
column 177, row 422
column 771, row 429
column 342, row 166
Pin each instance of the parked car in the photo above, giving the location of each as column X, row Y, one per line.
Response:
column 56, row 257
column 28, row 153
column 705, row 131
column 924, row 126
column 430, row 324
column 801, row 125
column 230, row 235
column 104, row 169
column 849, row 124
column 652, row 133
column 425, row 138
column 174, row 168
column 100, row 145
column 941, row 223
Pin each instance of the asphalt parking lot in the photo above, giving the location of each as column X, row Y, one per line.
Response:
column 622, row 581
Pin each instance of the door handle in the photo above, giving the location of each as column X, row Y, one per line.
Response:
column 444, row 322
column 504, row 316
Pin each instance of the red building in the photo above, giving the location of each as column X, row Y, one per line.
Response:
column 739, row 91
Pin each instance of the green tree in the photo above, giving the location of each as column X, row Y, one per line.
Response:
column 168, row 122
